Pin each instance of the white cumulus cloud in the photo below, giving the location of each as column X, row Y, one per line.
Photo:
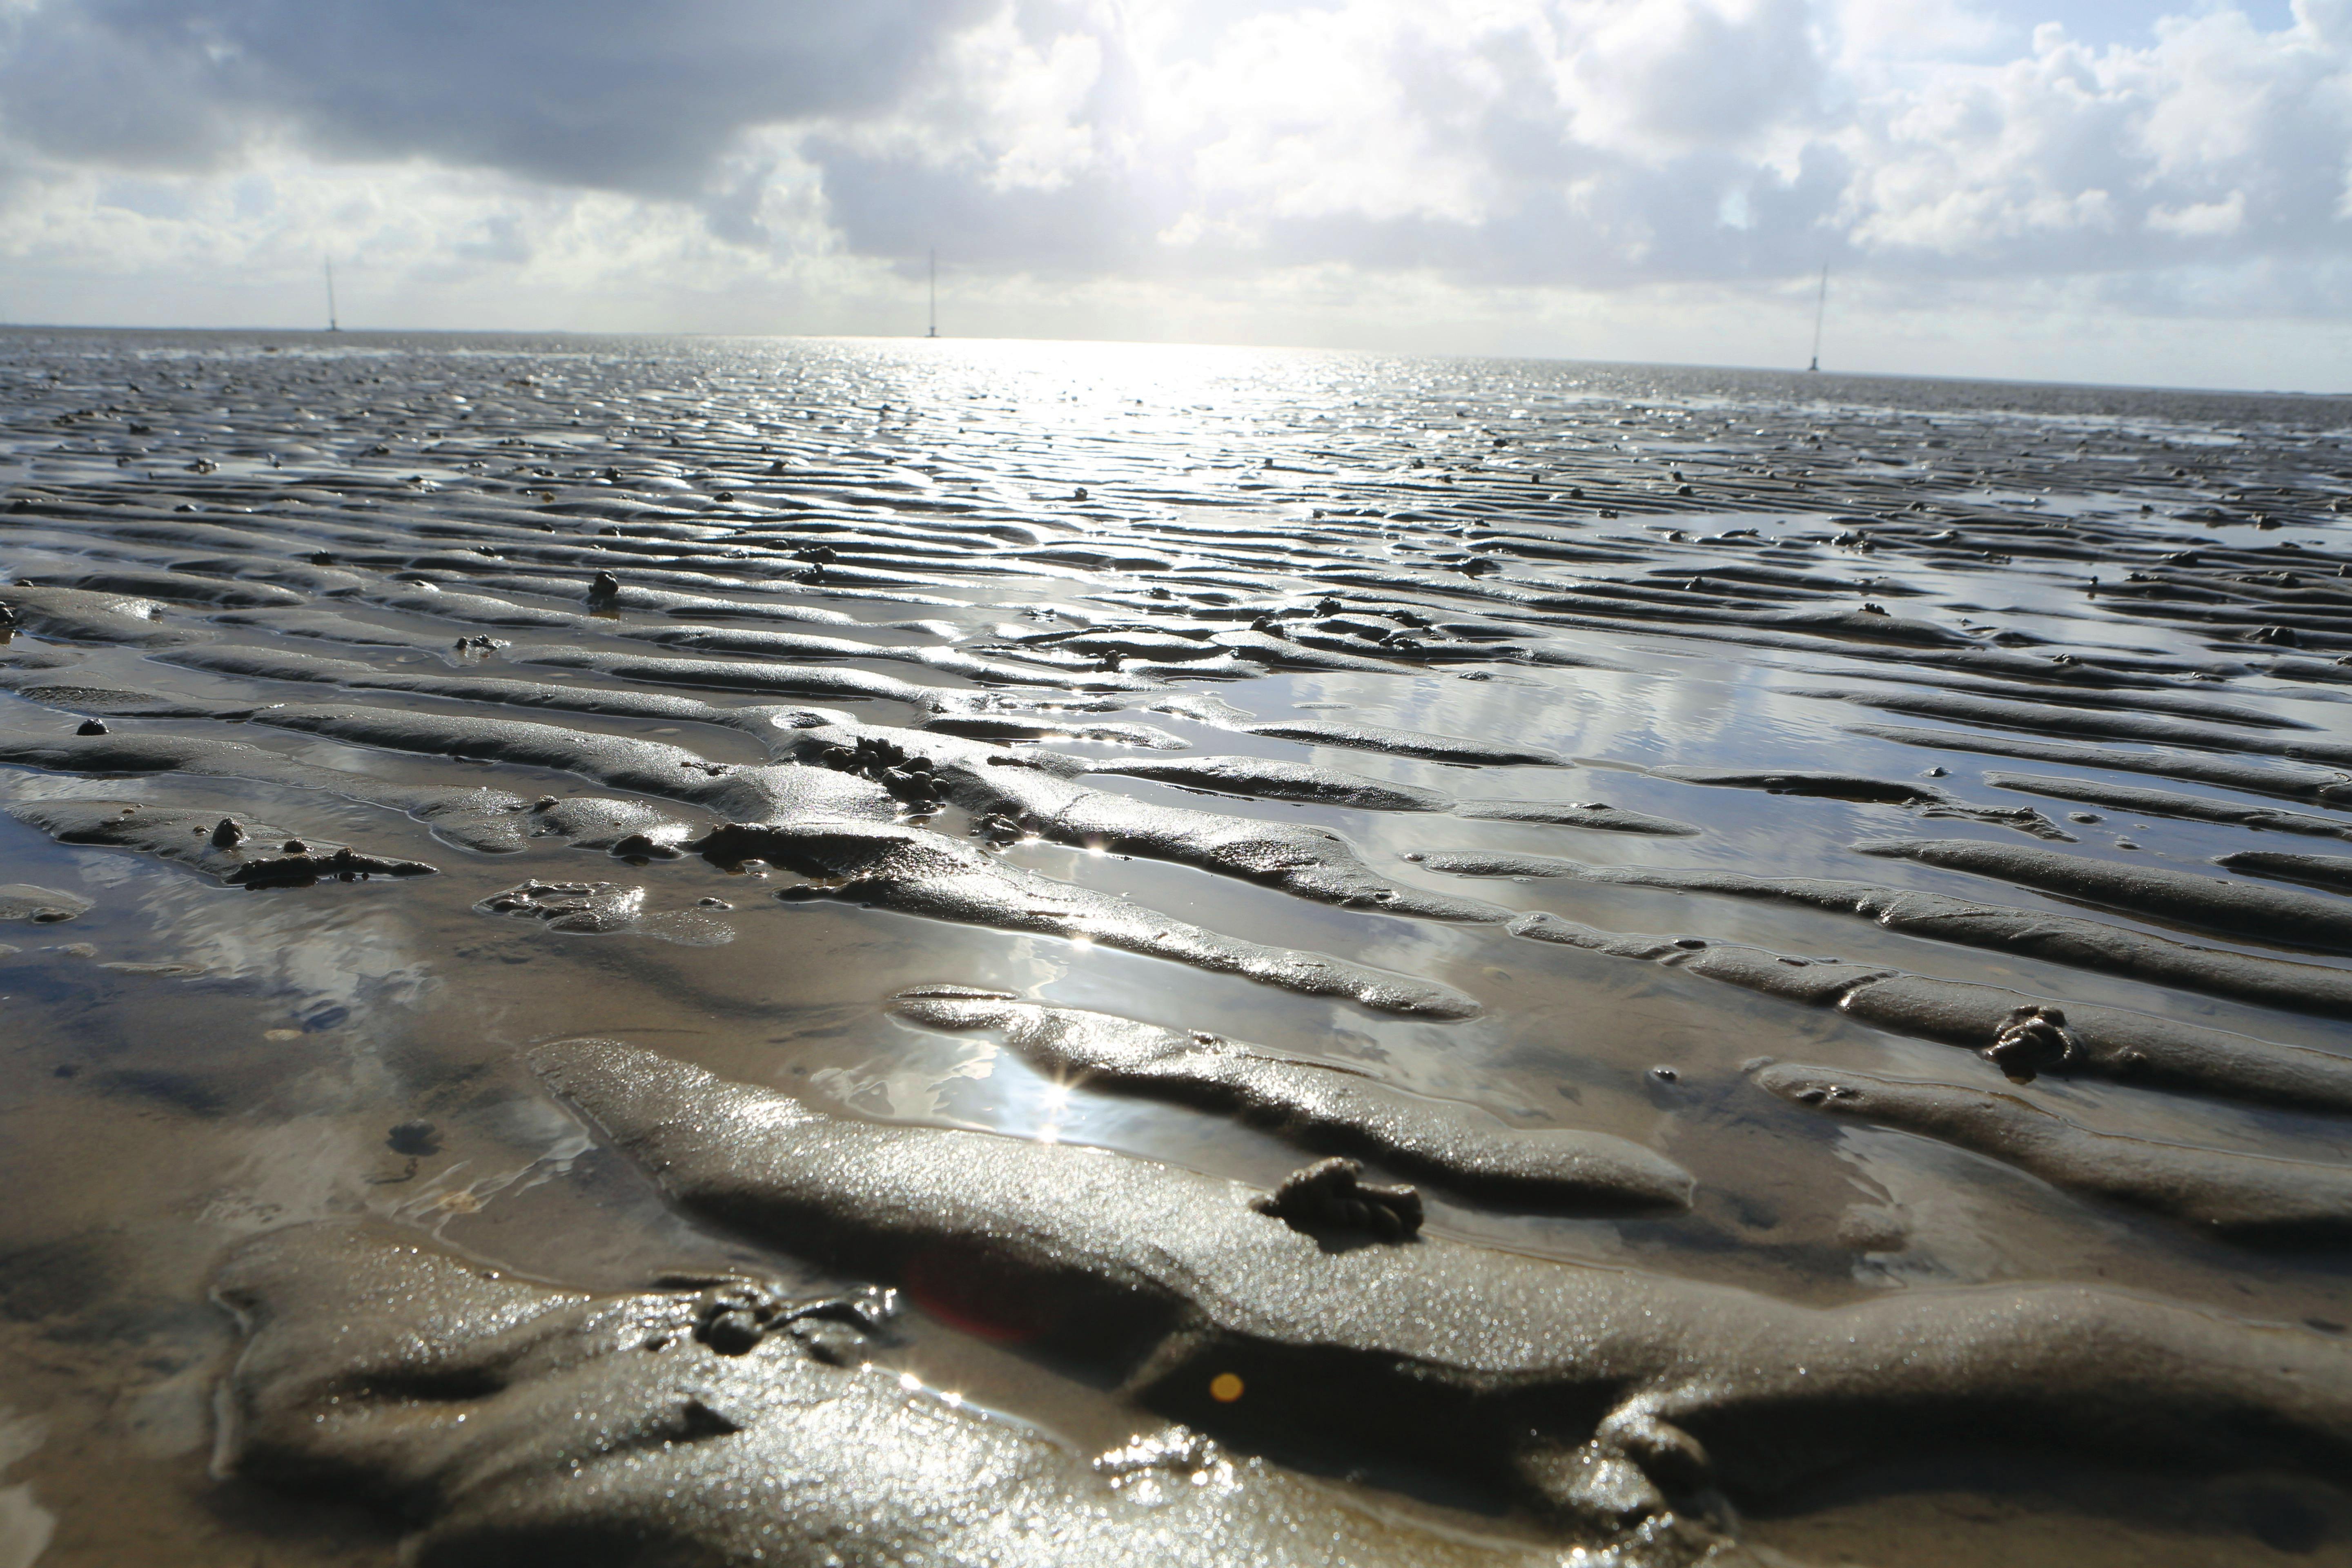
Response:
column 766, row 164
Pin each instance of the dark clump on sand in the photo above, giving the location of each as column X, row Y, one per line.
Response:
column 240, row 851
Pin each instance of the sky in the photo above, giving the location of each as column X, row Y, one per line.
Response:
column 2081, row 190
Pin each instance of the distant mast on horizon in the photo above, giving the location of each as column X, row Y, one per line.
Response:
column 935, row 295
column 333, row 325
column 1821, row 309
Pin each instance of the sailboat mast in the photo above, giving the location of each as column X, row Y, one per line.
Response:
column 333, row 325
column 1821, row 309
column 935, row 296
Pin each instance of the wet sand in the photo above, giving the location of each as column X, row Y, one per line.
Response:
column 731, row 951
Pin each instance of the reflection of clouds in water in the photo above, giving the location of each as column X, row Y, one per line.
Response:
column 909, row 1079
column 316, row 1166
column 908, row 1084
column 446, row 1196
column 102, row 874
column 293, row 942
column 314, row 958
column 26, row 786
column 297, row 1171
column 1950, row 1225
column 25, row 1525
column 173, row 1415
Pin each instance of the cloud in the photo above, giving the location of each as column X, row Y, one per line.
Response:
column 602, row 94
column 1602, row 142
column 2215, row 141
column 779, row 153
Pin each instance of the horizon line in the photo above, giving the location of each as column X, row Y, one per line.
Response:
column 346, row 334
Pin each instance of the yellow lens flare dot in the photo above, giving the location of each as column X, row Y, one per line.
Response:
column 1225, row 1388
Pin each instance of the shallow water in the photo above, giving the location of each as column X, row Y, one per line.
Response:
column 1634, row 569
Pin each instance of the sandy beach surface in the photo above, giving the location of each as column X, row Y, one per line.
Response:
column 727, row 950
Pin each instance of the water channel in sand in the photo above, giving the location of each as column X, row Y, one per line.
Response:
column 1451, row 691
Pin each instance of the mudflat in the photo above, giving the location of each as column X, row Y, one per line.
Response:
column 636, row 950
